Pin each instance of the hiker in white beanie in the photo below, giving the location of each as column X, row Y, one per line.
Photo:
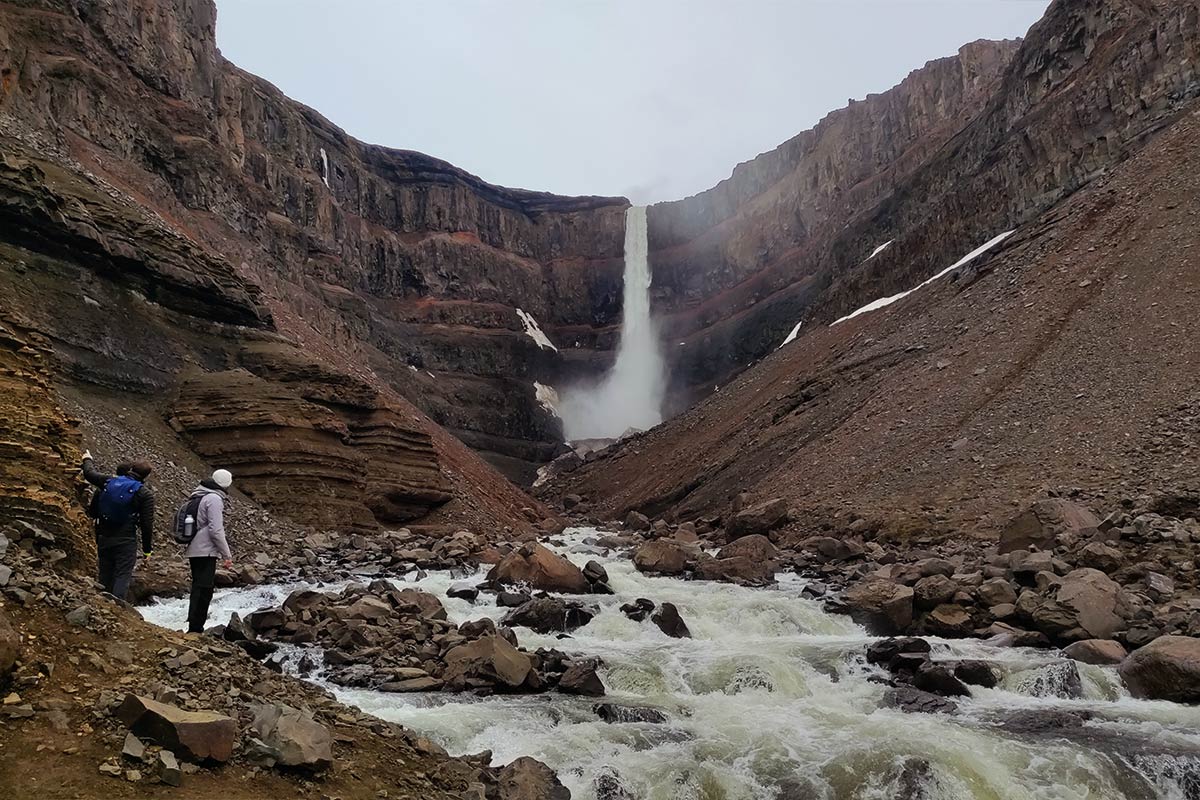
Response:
column 207, row 545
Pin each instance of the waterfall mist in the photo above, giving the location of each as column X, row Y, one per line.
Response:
column 631, row 394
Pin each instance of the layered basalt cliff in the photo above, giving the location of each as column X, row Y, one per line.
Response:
column 400, row 259
column 962, row 150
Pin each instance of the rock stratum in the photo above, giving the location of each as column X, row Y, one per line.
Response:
column 416, row 271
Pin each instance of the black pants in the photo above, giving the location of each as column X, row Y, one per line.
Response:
column 204, row 578
column 116, row 559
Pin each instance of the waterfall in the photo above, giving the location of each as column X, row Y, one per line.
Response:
column 631, row 394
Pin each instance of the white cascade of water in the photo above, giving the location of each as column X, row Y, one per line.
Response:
column 631, row 395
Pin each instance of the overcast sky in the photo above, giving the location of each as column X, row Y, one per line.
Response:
column 650, row 99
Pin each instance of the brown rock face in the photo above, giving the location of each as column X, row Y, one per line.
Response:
column 293, row 738
column 194, row 735
column 884, row 607
column 1038, row 525
column 490, row 658
column 311, row 443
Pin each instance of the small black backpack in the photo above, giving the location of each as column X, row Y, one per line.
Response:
column 186, row 524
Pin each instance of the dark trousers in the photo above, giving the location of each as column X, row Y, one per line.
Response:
column 204, row 578
column 116, row 559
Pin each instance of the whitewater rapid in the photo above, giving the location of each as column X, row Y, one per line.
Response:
column 772, row 700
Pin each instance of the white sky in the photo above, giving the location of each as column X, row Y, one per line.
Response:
column 650, row 99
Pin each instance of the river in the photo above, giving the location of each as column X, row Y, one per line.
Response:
column 772, row 700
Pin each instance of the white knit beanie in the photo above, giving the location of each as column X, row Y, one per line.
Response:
column 223, row 478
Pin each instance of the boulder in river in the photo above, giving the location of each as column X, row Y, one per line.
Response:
column 637, row 521
column 669, row 622
column 638, row 610
column 883, row 606
column 1166, row 669
column 550, row 615
column 540, row 568
column 975, row 673
column 663, row 557
column 490, row 659
column 1104, row 652
column 915, row 701
column 463, row 591
column 742, row 570
column 755, row 546
column 581, row 678
column 939, row 679
column 614, row 713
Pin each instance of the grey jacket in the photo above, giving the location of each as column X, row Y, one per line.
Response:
column 210, row 540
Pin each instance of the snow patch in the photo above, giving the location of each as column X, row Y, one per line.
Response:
column 547, row 397
column 968, row 258
column 534, row 331
column 880, row 249
column 791, row 337
column 325, row 167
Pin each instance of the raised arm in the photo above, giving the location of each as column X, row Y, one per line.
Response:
column 92, row 475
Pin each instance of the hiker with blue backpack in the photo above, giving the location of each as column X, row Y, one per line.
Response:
column 200, row 525
column 121, row 509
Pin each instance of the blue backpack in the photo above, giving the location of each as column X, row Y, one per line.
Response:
column 115, row 505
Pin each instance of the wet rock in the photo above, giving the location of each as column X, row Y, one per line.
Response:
column 759, row 518
column 669, row 622
column 595, row 572
column 1044, row 521
column 490, row 658
column 463, row 591
column 915, row 701
column 512, row 599
column 881, row 605
column 1166, row 669
column 613, row 713
column 662, row 557
column 235, row 630
column 196, row 735
column 639, row 610
column 539, row 567
column 293, row 737
column 258, row 649
column 1096, row 651
column 939, row 679
column 637, row 521
column 607, row 786
column 529, row 779
column 975, row 673
column 885, row 651
column 550, row 614
column 581, row 678
column 426, row 683
column 1058, row 679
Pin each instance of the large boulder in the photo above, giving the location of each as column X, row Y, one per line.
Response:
column 293, row 738
column 755, row 547
column 193, row 735
column 1104, row 652
column 1087, row 604
column 490, row 659
column 1166, row 669
column 10, row 647
column 581, row 678
column 529, row 779
column 549, row 615
column 738, row 569
column 540, row 568
column 669, row 622
column 882, row 606
column 427, row 605
column 762, row 518
column 1044, row 521
column 662, row 556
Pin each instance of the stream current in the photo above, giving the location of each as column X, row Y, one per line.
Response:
column 772, row 700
